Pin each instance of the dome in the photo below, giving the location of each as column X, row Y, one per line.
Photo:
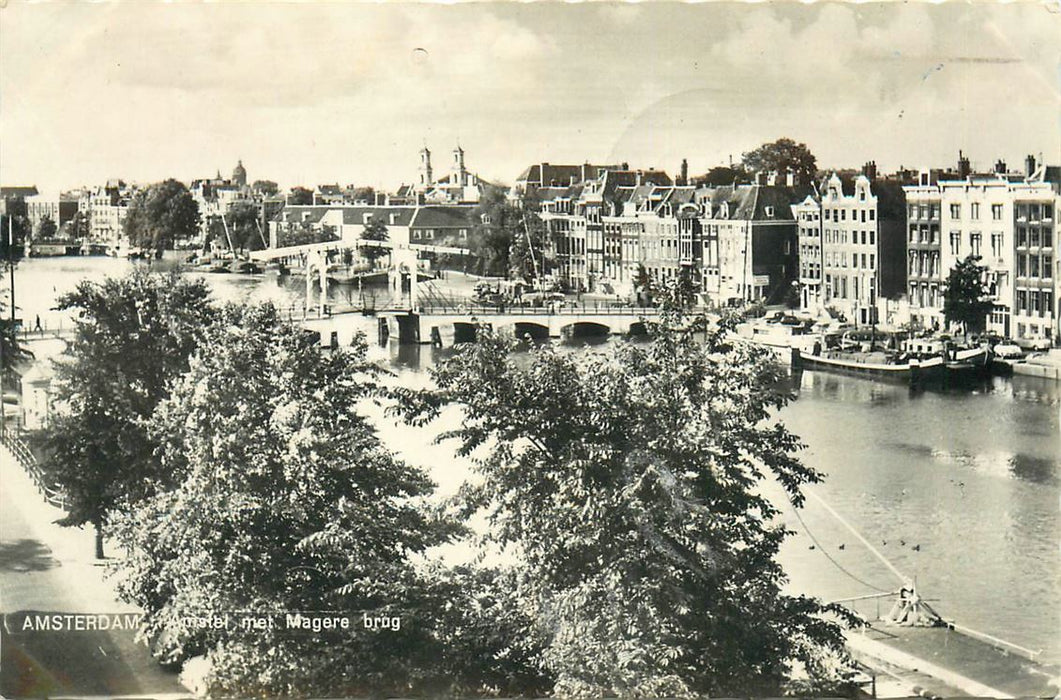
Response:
column 239, row 174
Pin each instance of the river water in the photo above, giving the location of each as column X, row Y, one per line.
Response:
column 961, row 491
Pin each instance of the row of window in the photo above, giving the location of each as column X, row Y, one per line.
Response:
column 1035, row 302
column 838, row 287
column 840, row 236
column 859, row 215
column 859, row 261
column 1040, row 266
column 1035, row 237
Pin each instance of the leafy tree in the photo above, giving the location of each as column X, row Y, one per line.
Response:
column 627, row 482
column 286, row 501
column 528, row 251
column 305, row 233
column 46, row 228
column 499, row 223
column 14, row 230
column 374, row 230
column 134, row 335
column 266, row 188
column 300, row 196
column 11, row 351
column 78, row 228
column 160, row 215
column 244, row 225
column 644, row 286
column 364, row 194
column 781, row 155
column 966, row 299
column 721, row 176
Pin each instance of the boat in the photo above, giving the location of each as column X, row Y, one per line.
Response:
column 780, row 333
column 877, row 365
column 244, row 267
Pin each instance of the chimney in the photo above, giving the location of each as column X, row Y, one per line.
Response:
column 963, row 166
column 574, row 180
column 760, row 178
column 637, row 178
column 870, row 170
column 1029, row 165
column 626, row 166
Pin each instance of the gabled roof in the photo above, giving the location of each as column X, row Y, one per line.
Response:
column 403, row 215
column 443, row 217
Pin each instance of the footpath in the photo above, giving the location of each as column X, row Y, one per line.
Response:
column 47, row 571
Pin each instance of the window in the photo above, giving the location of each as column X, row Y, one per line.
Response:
column 863, row 216
column 463, row 233
column 843, row 215
column 854, row 259
column 974, row 211
column 1033, row 236
column 872, row 261
column 1022, row 266
column 955, row 242
column 1022, row 237
column 1022, row 301
column 974, row 243
column 1048, row 211
column 1048, row 238
column 863, row 237
column 1048, row 267
column 997, row 239
column 955, row 211
column 864, row 261
column 872, row 236
column 996, row 212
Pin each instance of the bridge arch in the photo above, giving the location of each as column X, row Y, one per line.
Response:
column 585, row 329
column 535, row 331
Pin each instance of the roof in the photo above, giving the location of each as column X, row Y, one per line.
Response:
column 403, row 215
column 18, row 191
column 443, row 217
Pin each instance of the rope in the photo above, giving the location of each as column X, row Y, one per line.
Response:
column 828, row 556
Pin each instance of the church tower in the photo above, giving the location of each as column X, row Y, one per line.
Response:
column 427, row 177
column 239, row 175
column 460, row 175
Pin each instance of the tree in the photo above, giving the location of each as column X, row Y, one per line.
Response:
column 644, row 286
column 78, row 228
column 783, row 154
column 721, row 176
column 134, row 335
column 266, row 188
column 627, row 482
column 527, row 251
column 244, row 223
column 285, row 500
column 966, row 299
column 499, row 223
column 364, row 194
column 374, row 230
column 160, row 215
column 46, row 228
column 304, row 233
column 300, row 196
column 11, row 351
column 14, row 230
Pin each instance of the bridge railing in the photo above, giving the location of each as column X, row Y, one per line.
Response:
column 477, row 309
column 28, row 461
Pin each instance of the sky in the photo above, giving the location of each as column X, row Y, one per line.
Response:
column 319, row 92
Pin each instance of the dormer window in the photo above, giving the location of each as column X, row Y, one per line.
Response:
column 366, row 219
column 769, row 212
